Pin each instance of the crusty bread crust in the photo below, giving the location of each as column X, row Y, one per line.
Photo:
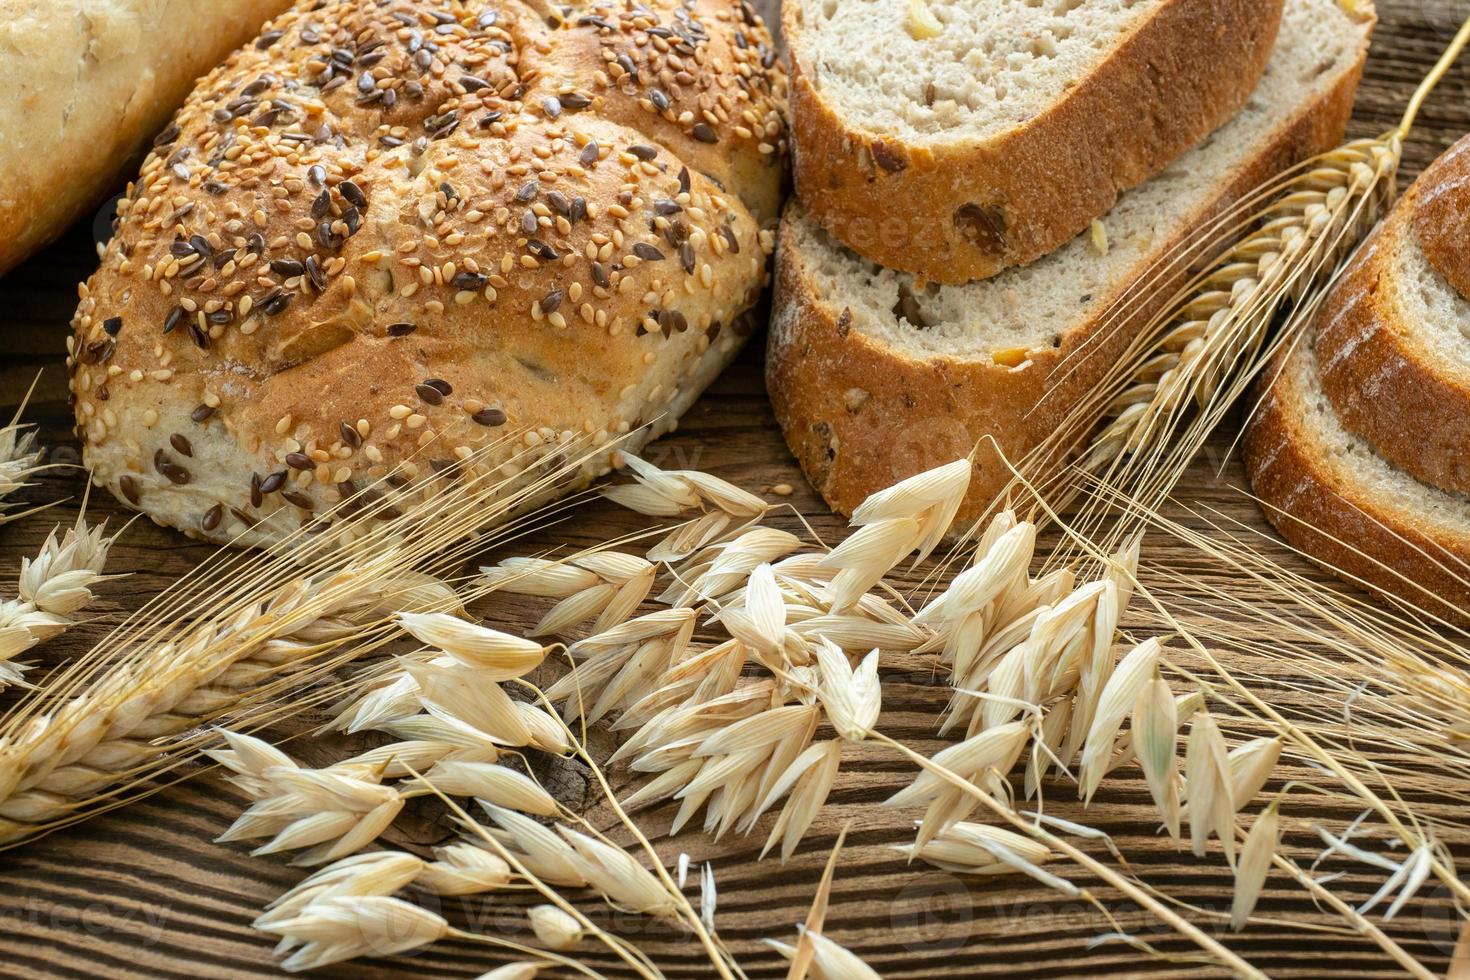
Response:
column 546, row 239
column 1385, row 381
column 860, row 415
column 1340, row 524
column 1442, row 215
column 89, row 86
column 960, row 211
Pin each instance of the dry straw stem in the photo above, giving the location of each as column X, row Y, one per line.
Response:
column 807, row 955
column 235, row 638
column 55, row 587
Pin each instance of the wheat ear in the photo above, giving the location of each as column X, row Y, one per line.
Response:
column 101, row 730
column 1211, row 339
column 20, row 458
column 55, row 587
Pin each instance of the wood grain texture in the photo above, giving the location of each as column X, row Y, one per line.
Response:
column 144, row 892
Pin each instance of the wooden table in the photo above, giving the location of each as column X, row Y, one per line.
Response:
column 145, row 892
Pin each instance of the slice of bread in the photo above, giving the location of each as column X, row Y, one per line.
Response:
column 1442, row 215
column 1394, row 339
column 957, row 138
column 1332, row 496
column 875, row 378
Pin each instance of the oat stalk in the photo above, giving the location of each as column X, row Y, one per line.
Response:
column 1004, row 812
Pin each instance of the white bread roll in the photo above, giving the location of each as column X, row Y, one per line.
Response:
column 88, row 83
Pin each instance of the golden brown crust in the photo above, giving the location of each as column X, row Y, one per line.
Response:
column 860, row 415
column 1339, row 524
column 962, row 211
column 89, row 86
column 315, row 281
column 1442, row 216
column 1385, row 382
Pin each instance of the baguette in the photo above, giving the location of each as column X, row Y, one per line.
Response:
column 875, row 378
column 406, row 232
column 89, row 85
column 1392, row 341
column 990, row 133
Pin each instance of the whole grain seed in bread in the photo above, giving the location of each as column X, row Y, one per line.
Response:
column 875, row 377
column 87, row 86
column 990, row 133
column 1393, row 342
column 1332, row 496
column 404, row 231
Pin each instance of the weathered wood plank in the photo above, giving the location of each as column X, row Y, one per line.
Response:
column 143, row 892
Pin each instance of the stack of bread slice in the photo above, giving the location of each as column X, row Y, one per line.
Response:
column 982, row 185
column 1360, row 446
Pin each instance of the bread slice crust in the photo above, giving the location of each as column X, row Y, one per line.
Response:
column 1379, row 364
column 1352, row 516
column 1442, row 215
column 860, row 413
column 957, row 211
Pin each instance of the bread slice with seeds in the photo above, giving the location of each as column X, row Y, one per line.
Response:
column 409, row 232
column 1394, row 340
column 954, row 139
column 875, row 377
column 1332, row 496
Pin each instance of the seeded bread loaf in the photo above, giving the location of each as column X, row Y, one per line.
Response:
column 88, row 85
column 1394, row 339
column 875, row 377
column 1342, row 504
column 407, row 230
column 954, row 139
